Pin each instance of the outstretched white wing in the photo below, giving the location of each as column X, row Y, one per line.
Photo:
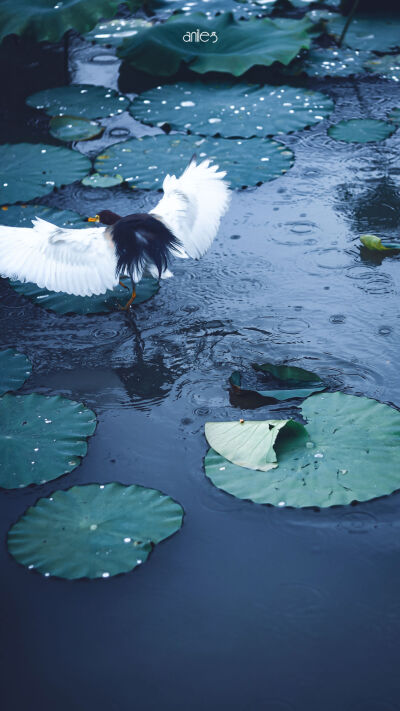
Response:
column 76, row 261
column 192, row 206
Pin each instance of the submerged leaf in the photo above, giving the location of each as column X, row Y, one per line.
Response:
column 361, row 130
column 72, row 128
column 41, row 438
column 374, row 242
column 15, row 368
column 79, row 100
column 285, row 382
column 93, row 531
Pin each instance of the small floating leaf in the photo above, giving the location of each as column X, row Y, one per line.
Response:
column 22, row 216
column 15, row 368
column 145, row 162
column 285, row 382
column 79, row 100
column 350, row 453
column 361, row 130
column 72, row 128
column 395, row 116
column 375, row 242
column 93, row 531
column 30, row 170
column 102, row 181
column 63, row 303
column 41, row 438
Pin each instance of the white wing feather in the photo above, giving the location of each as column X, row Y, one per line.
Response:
column 76, row 261
column 192, row 206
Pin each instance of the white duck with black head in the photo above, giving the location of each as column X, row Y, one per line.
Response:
column 92, row 260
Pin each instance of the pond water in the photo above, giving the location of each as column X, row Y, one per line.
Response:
column 247, row 607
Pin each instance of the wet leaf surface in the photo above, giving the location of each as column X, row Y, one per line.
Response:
column 79, row 100
column 15, row 368
column 71, row 128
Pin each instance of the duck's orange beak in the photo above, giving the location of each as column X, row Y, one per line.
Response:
column 96, row 218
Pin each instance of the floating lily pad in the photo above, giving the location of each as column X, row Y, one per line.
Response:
column 22, row 216
column 145, row 162
column 30, row 170
column 350, row 453
column 63, row 303
column 102, row 181
column 334, row 62
column 361, row 130
column 395, row 116
column 79, row 100
column 285, row 381
column 71, row 128
column 369, row 32
column 41, row 438
column 231, row 110
column 113, row 32
column 387, row 66
column 161, row 49
column 375, row 243
column 93, row 531
column 15, row 368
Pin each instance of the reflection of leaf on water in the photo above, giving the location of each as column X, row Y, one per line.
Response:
column 373, row 209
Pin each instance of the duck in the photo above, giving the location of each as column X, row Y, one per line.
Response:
column 89, row 261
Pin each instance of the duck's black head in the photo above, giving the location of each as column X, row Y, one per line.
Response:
column 107, row 217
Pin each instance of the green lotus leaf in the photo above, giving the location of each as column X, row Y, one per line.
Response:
column 63, row 303
column 375, row 243
column 350, row 453
column 161, row 49
column 22, row 216
column 112, row 32
column 102, row 181
column 48, row 20
column 248, row 443
column 79, row 100
column 239, row 8
column 72, row 128
column 239, row 110
column 334, row 62
column 93, row 531
column 41, row 438
column 144, row 162
column 361, row 130
column 30, row 170
column 15, row 368
column 373, row 32
column 387, row 66
column 285, row 381
column 395, row 116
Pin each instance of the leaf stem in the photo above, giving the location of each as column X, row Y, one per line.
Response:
column 348, row 22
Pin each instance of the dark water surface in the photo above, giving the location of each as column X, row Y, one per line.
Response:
column 248, row 607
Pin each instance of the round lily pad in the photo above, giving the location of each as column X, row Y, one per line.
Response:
column 145, row 162
column 281, row 382
column 387, row 66
column 63, row 303
column 373, row 32
column 41, row 438
column 395, row 116
column 93, row 531
column 232, row 46
column 79, row 100
column 361, row 130
column 30, row 170
column 236, row 110
column 334, row 62
column 22, row 216
column 375, row 243
column 348, row 451
column 102, row 181
column 15, row 368
column 72, row 128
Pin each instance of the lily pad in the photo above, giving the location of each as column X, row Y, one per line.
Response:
column 93, row 531
column 72, row 128
column 387, row 66
column 334, row 62
column 240, row 45
column 395, row 116
column 145, row 162
column 48, row 20
column 112, row 32
column 239, row 110
column 285, row 381
column 15, row 368
column 370, row 32
column 30, row 170
column 22, row 216
column 63, row 303
column 350, row 453
column 79, row 100
column 361, row 130
column 41, row 438
column 102, row 181
column 374, row 242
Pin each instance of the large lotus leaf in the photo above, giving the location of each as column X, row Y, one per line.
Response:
column 73, row 128
column 361, row 130
column 30, row 170
column 387, row 66
column 369, row 32
column 374, row 242
column 63, row 303
column 15, row 368
column 48, row 20
column 351, row 453
column 93, row 531
column 79, row 100
column 285, row 382
column 248, row 443
column 161, row 49
column 231, row 110
column 334, row 62
column 22, row 216
column 41, row 438
column 144, row 162
column 113, row 32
